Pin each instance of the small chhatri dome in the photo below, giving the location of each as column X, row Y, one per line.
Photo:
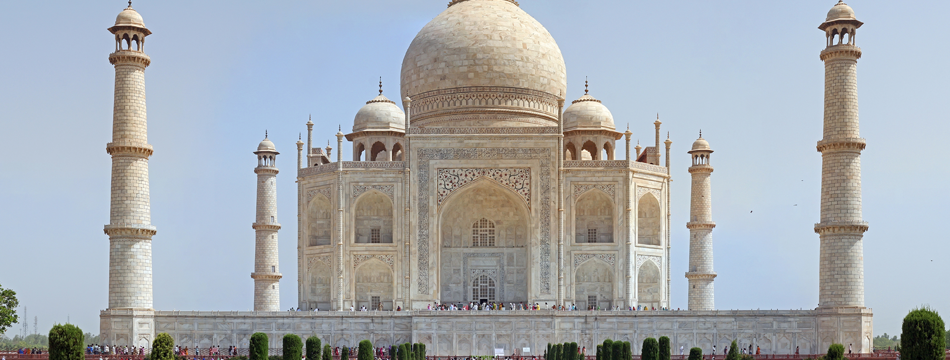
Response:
column 380, row 114
column 266, row 145
column 588, row 113
column 841, row 11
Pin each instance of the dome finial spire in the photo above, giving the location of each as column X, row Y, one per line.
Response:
column 380, row 85
column 265, row 134
column 585, row 86
column 130, row 4
column 700, row 133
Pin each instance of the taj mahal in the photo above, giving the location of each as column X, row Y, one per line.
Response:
column 480, row 183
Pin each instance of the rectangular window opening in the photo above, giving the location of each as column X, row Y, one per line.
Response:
column 592, row 300
column 273, row 269
column 374, row 237
column 591, row 235
column 374, row 302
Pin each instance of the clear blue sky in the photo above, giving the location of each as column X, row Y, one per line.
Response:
column 746, row 72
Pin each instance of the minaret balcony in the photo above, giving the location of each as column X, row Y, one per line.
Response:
column 845, row 50
column 130, row 56
column 700, row 225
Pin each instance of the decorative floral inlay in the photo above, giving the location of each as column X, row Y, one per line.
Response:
column 658, row 261
column 385, row 189
column 388, row 259
column 517, row 179
column 544, row 156
column 580, row 189
column 325, row 191
column 581, row 258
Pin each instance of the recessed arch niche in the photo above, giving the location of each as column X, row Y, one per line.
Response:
column 374, row 219
column 463, row 256
column 593, row 218
column 648, row 221
column 319, row 221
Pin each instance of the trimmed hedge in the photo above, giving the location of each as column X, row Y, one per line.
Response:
column 163, row 348
column 258, row 347
column 327, row 352
column 664, row 348
column 293, row 347
column 314, row 348
column 923, row 335
column 65, row 343
column 608, row 347
column 651, row 349
column 345, row 353
column 365, row 351
column 403, row 352
column 616, row 350
column 695, row 354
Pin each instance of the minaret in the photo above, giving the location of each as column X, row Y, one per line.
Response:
column 700, row 225
column 130, row 227
column 266, row 273
column 841, row 272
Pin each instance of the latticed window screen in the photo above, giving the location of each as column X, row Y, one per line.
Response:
column 483, row 288
column 483, row 233
column 374, row 302
column 591, row 235
column 374, row 236
column 591, row 300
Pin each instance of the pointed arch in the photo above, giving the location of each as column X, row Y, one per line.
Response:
column 648, row 220
column 397, row 152
column 373, row 218
column 648, row 284
column 593, row 284
column 319, row 220
column 378, row 149
column 593, row 218
column 570, row 152
column 591, row 151
column 358, row 154
column 374, row 285
column 319, row 284
column 608, row 151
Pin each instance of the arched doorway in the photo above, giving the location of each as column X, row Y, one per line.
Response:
column 593, row 218
column 319, row 221
column 648, row 221
column 648, row 285
column 374, row 219
column 483, row 290
column 594, row 285
column 484, row 231
column 374, row 286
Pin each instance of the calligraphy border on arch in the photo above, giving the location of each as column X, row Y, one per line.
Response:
column 543, row 154
column 609, row 189
column 658, row 261
column 641, row 190
column 517, row 180
column 323, row 190
column 387, row 190
column 608, row 258
column 388, row 259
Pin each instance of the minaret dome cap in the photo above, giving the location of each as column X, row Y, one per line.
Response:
column 841, row 11
column 266, row 145
column 129, row 17
column 701, row 145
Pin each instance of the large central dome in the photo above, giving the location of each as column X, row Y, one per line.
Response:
column 484, row 63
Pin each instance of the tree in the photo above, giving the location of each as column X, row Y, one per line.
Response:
column 258, row 348
column 835, row 352
column 733, row 351
column 695, row 354
column 293, row 347
column 651, row 349
column 8, row 305
column 617, row 350
column 65, row 343
column 163, row 347
column 608, row 346
column 600, row 351
column 313, row 348
column 403, row 352
column 345, row 353
column 421, row 352
column 923, row 335
column 327, row 352
column 627, row 352
column 365, row 351
column 664, row 348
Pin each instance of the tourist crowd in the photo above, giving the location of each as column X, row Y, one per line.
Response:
column 474, row 306
column 96, row 349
